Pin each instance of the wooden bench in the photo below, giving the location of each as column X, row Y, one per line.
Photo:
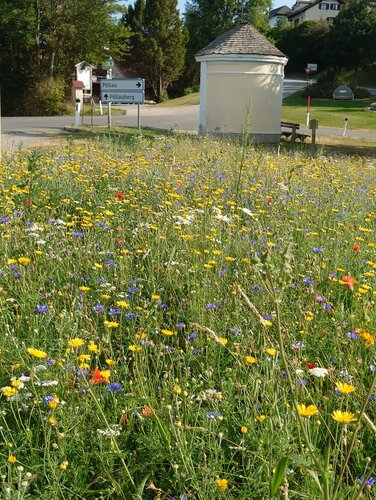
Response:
column 292, row 131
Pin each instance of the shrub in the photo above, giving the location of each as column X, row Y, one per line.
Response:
column 46, row 98
column 360, row 93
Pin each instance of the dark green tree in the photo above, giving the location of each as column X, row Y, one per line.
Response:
column 352, row 42
column 42, row 39
column 207, row 19
column 157, row 42
column 302, row 44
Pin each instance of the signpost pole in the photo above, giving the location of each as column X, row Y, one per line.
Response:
column 109, row 115
column 138, row 117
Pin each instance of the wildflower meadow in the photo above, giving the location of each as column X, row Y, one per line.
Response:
column 187, row 318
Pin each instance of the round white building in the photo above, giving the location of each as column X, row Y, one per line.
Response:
column 241, row 85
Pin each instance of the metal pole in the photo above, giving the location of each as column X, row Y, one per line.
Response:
column 138, row 117
column 109, row 115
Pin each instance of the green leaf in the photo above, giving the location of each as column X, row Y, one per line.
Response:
column 278, row 476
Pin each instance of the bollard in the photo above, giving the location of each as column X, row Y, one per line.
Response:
column 345, row 127
column 313, row 125
column 78, row 111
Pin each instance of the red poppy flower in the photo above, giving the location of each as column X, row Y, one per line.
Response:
column 97, row 377
column 349, row 282
column 119, row 196
column 268, row 200
column 356, row 247
column 310, row 366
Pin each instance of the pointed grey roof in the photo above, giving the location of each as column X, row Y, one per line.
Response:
column 243, row 39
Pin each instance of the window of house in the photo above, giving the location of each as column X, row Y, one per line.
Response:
column 323, row 6
column 334, row 6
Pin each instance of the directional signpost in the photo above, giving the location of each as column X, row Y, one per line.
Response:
column 123, row 91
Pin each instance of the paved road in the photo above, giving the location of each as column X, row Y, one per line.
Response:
column 23, row 132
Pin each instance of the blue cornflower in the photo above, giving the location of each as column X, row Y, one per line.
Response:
column 114, row 312
column 317, row 249
column 370, row 482
column 352, row 335
column 192, row 336
column 114, row 387
column 308, row 281
column 130, row 316
column 180, row 325
column 41, row 308
column 4, row 220
column 77, row 234
column 98, row 308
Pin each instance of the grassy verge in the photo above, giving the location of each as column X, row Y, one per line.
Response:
column 330, row 113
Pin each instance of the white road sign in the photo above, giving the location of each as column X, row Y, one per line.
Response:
column 123, row 97
column 117, row 84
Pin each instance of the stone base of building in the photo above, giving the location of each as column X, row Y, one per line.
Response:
column 256, row 138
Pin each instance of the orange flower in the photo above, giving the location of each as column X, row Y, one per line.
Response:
column 147, row 411
column 356, row 247
column 97, row 377
column 348, row 281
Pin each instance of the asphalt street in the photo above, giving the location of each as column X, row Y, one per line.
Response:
column 24, row 132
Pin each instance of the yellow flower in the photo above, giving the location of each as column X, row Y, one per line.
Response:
column 222, row 484
column 24, row 261
column 250, row 360
column 266, row 322
column 84, row 288
column 36, row 353
column 307, row 411
column 111, row 324
column 53, row 403
column 64, row 465
column 261, row 418
column 76, row 342
column 105, row 296
column 17, row 384
column 93, row 347
column 222, row 340
column 156, row 297
column 52, row 420
column 135, row 348
column 177, row 389
column 111, row 362
column 9, row 392
column 122, row 304
column 12, row 459
column 271, row 351
column 243, row 429
column 83, row 357
column 345, row 388
column 343, row 417
column 167, row 333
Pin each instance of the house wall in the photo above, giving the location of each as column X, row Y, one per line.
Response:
column 328, row 11
column 238, row 88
